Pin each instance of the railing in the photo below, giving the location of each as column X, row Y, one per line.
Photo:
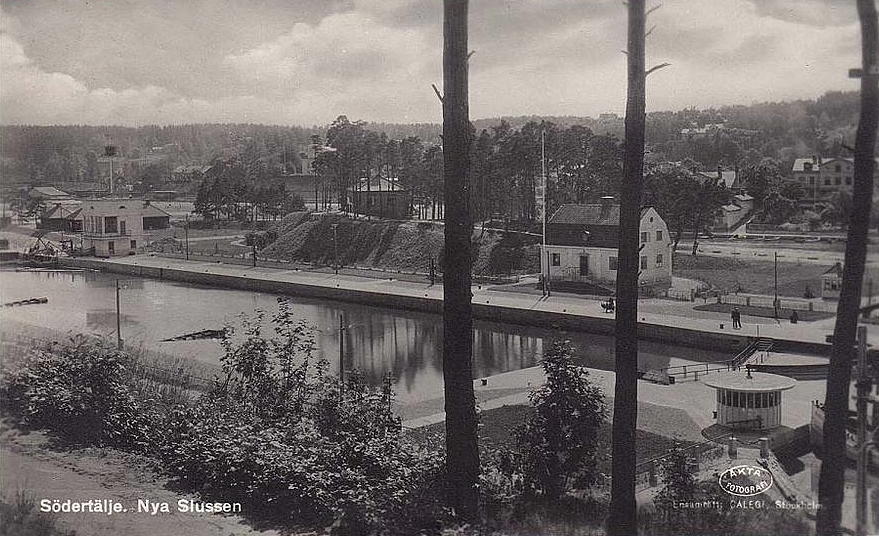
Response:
column 90, row 234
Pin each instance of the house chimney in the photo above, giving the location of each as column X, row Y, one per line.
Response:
column 719, row 173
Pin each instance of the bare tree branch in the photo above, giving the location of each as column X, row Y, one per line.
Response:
column 437, row 91
column 650, row 31
column 656, row 68
column 626, row 52
column 651, row 10
column 470, row 54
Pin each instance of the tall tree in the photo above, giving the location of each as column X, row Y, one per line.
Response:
column 462, row 454
column 832, row 478
column 622, row 520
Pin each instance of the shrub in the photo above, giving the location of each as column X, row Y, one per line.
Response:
column 558, row 441
column 278, row 434
column 80, row 390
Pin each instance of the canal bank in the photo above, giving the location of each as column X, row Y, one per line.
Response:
column 672, row 322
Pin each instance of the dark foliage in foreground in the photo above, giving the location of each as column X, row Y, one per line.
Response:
column 275, row 433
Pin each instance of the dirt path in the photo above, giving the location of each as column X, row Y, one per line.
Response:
column 81, row 475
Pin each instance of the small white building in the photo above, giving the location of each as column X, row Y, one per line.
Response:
column 582, row 243
column 749, row 401
column 116, row 227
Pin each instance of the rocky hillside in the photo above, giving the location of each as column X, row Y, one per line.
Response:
column 394, row 245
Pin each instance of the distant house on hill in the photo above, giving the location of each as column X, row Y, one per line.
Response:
column 583, row 243
column 116, row 227
column 184, row 174
column 821, row 178
column 380, row 197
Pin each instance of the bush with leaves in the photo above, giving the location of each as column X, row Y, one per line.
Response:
column 81, row 389
column 277, row 433
column 558, row 441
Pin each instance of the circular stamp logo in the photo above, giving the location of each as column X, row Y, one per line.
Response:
column 745, row 480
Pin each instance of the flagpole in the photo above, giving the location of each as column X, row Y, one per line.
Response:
column 543, row 209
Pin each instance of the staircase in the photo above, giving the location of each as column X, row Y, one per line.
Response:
column 762, row 344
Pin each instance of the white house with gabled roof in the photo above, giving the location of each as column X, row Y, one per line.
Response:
column 582, row 245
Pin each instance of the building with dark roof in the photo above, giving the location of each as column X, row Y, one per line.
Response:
column 582, row 243
column 379, row 196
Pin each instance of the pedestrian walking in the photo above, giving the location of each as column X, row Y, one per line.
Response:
column 736, row 318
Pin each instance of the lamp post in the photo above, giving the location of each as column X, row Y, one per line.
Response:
column 186, row 230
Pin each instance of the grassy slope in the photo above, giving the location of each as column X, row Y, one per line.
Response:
column 406, row 246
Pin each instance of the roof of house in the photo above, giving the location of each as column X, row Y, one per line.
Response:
column 589, row 214
column 743, row 197
column 731, row 208
column 68, row 210
column 728, row 178
column 47, row 191
column 108, row 206
column 799, row 163
column 836, row 269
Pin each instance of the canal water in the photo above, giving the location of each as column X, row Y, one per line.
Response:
column 377, row 340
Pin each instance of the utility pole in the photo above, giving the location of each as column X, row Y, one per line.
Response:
column 335, row 249
column 543, row 208
column 775, row 300
column 253, row 254
column 341, row 355
column 863, row 385
column 186, row 230
column 118, row 320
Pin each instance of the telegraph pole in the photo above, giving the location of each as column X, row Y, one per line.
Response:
column 335, row 249
column 118, row 320
column 186, row 230
column 775, row 301
column 543, row 208
column 341, row 354
column 864, row 385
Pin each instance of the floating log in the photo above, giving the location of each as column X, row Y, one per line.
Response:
column 31, row 301
column 199, row 335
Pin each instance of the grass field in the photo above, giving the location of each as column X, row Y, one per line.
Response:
column 754, row 277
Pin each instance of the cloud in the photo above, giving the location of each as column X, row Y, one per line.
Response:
column 282, row 61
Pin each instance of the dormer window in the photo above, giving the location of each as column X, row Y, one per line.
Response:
column 807, row 166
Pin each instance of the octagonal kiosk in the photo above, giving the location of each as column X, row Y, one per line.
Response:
column 749, row 400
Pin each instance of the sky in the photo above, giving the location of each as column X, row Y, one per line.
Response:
column 305, row 62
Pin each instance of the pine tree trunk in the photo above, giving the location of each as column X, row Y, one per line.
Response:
column 462, row 455
column 622, row 520
column 836, row 402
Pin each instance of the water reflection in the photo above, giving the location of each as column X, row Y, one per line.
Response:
column 377, row 341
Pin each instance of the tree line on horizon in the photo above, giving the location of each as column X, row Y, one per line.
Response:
column 784, row 130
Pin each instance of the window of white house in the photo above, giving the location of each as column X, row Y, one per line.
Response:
column 645, row 237
column 612, row 263
column 644, row 263
column 659, row 260
column 659, row 236
column 556, row 259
